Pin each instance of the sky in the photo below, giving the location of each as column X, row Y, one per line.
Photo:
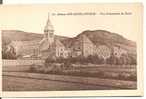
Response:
column 32, row 18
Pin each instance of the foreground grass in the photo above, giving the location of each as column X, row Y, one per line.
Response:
column 123, row 73
column 28, row 80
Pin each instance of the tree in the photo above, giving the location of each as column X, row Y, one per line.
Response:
column 103, row 52
column 8, row 52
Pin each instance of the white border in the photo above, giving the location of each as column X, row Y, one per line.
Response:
column 66, row 1
column 84, row 1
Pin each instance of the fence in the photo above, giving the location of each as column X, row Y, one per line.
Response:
column 19, row 65
column 21, row 62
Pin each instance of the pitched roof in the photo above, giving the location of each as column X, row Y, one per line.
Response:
column 49, row 25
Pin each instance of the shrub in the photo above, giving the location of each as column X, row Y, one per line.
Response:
column 126, row 59
column 49, row 60
column 132, row 77
column 125, row 76
column 32, row 68
column 76, row 60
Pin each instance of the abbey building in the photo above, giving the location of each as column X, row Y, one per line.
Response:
column 51, row 46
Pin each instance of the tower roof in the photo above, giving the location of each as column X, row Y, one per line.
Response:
column 49, row 25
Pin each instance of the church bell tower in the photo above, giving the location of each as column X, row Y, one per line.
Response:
column 49, row 31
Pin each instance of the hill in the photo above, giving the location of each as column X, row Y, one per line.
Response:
column 21, row 35
column 102, row 37
column 12, row 35
column 107, row 38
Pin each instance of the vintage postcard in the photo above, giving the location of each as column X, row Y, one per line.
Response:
column 61, row 50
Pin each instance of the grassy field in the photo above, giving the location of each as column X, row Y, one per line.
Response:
column 20, row 81
column 111, row 74
column 122, row 72
column 27, row 84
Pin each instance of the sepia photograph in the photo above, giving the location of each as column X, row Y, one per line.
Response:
column 71, row 47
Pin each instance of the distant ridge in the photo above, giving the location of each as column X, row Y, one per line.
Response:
column 106, row 37
column 24, row 36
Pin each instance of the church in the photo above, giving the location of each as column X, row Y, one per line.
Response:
column 49, row 46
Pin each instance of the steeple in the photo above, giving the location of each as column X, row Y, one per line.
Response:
column 49, row 31
column 48, row 25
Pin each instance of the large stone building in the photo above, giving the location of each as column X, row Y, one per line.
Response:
column 25, row 49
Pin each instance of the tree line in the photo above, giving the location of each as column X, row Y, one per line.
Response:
column 123, row 60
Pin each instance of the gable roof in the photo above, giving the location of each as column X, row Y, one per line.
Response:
column 58, row 43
